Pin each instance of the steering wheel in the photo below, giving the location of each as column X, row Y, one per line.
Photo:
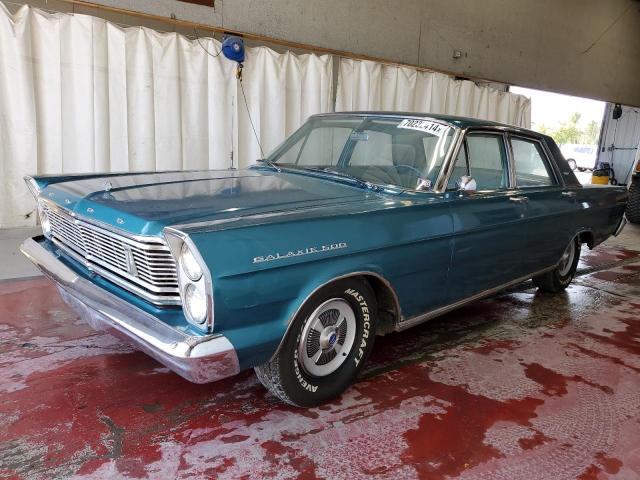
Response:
column 410, row 168
column 422, row 181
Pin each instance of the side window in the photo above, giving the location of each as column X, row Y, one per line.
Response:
column 487, row 162
column 531, row 168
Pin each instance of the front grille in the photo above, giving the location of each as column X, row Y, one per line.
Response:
column 142, row 266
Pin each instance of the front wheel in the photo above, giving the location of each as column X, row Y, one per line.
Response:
column 572, row 164
column 326, row 346
column 560, row 277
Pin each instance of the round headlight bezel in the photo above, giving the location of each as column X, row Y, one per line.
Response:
column 189, row 264
column 197, row 317
column 176, row 240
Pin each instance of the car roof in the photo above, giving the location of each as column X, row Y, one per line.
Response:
column 461, row 122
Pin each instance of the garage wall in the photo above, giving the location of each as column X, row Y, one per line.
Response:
column 79, row 94
column 588, row 48
column 620, row 141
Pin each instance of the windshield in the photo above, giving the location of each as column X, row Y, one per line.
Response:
column 406, row 153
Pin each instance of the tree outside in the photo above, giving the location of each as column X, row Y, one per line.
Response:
column 572, row 131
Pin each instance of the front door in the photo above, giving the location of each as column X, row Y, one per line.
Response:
column 489, row 224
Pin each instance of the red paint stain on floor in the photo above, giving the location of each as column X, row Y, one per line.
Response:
column 455, row 440
column 538, row 439
column 603, row 464
column 480, row 402
column 555, row 384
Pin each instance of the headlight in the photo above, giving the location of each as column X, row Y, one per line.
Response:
column 189, row 263
column 44, row 221
column 195, row 302
column 194, row 279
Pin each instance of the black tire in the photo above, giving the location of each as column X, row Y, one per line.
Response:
column 285, row 375
column 559, row 278
column 633, row 206
column 572, row 164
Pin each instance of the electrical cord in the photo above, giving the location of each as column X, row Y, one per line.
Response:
column 195, row 32
column 250, row 120
column 244, row 96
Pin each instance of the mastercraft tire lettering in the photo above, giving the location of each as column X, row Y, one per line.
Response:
column 326, row 346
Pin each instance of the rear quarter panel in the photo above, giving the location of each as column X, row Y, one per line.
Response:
column 600, row 209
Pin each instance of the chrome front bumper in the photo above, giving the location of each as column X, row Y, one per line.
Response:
column 199, row 359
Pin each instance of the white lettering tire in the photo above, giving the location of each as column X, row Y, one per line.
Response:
column 325, row 348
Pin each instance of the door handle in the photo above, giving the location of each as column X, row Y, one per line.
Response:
column 569, row 194
column 519, row 199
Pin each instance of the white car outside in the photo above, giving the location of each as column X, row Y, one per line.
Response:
column 580, row 156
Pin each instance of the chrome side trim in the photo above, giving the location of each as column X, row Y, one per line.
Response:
column 199, row 359
column 340, row 277
column 412, row 322
column 511, row 161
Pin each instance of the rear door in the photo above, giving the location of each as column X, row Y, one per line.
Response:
column 551, row 208
column 489, row 224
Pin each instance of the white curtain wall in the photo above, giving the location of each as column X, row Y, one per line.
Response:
column 365, row 85
column 79, row 94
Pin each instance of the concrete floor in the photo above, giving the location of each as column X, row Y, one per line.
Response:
column 519, row 386
column 12, row 263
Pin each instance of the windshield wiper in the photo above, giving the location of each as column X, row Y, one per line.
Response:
column 271, row 164
column 337, row 173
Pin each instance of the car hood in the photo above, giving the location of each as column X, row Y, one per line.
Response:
column 145, row 203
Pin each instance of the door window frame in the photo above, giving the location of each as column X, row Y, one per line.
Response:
column 545, row 155
column 506, row 150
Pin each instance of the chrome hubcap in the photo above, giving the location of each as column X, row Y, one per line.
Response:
column 566, row 261
column 327, row 337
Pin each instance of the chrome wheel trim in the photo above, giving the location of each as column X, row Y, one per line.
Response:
column 327, row 337
column 566, row 261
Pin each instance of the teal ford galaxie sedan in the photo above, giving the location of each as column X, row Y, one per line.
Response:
column 357, row 225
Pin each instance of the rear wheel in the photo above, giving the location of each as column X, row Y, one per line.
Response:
column 326, row 346
column 572, row 163
column 633, row 206
column 560, row 277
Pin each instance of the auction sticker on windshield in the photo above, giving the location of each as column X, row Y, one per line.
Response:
column 427, row 126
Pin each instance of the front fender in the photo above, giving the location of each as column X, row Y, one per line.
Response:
column 256, row 318
column 263, row 273
column 255, row 306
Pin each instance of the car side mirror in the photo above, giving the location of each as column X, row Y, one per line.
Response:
column 467, row 184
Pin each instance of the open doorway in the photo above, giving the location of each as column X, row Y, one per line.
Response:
column 574, row 123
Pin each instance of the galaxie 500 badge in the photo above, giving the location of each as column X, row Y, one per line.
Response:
column 299, row 253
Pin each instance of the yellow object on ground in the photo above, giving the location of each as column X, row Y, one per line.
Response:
column 599, row 179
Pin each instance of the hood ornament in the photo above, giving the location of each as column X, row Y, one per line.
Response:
column 107, row 190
